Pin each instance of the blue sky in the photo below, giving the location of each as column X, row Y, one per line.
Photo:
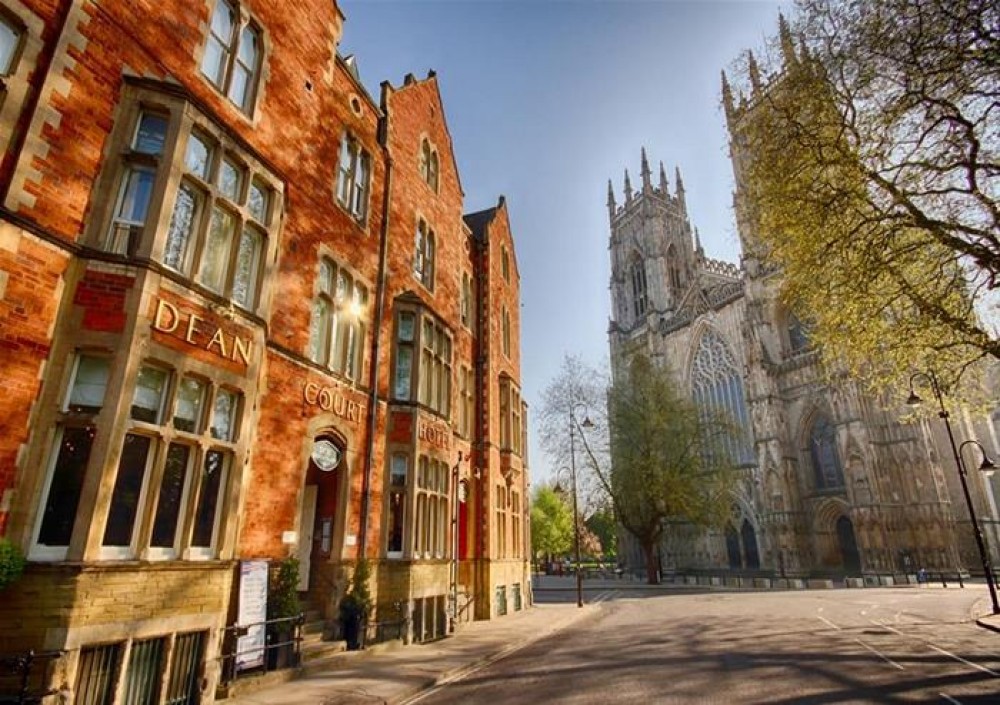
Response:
column 547, row 100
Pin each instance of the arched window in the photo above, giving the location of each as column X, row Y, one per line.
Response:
column 827, row 469
column 637, row 274
column 673, row 268
column 798, row 335
column 717, row 386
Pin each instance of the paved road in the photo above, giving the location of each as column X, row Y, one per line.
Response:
column 903, row 645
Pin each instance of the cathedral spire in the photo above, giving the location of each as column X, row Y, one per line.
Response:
column 663, row 180
column 628, row 188
column 697, row 244
column 646, row 183
column 787, row 45
column 679, row 185
column 611, row 199
column 727, row 96
column 754, row 72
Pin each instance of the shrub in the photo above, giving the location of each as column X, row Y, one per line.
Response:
column 11, row 563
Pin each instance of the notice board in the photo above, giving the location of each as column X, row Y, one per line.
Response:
column 252, row 615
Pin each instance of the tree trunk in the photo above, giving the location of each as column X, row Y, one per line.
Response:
column 652, row 569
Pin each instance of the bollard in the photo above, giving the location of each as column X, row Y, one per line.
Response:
column 960, row 583
column 943, row 583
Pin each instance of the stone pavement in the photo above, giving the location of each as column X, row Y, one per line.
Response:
column 394, row 673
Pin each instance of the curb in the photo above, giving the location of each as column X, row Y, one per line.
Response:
column 986, row 625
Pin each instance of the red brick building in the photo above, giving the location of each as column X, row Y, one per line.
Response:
column 242, row 317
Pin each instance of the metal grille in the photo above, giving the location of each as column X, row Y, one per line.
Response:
column 185, row 667
column 500, row 598
column 98, row 670
column 142, row 680
column 516, row 594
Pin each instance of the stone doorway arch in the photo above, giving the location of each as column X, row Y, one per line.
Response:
column 848, row 543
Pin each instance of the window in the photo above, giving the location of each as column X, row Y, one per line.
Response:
column 10, row 45
column 69, row 457
column 673, row 268
column 501, row 521
column 220, row 203
column 510, row 416
column 405, row 337
column 181, row 485
column 423, row 255
column 465, row 301
column 137, row 183
column 798, row 335
column 515, row 525
column 429, row 376
column 505, row 323
column 353, row 177
column 505, row 264
column 435, row 368
column 232, row 56
column 429, row 164
column 637, row 273
column 718, row 387
column 398, row 477
column 466, row 392
column 337, row 328
column 431, row 528
column 827, row 470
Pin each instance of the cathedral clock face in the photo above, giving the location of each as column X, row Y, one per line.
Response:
column 326, row 455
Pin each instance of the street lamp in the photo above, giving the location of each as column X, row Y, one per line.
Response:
column 956, row 451
column 576, row 515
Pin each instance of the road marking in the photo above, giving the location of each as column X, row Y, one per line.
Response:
column 824, row 619
column 966, row 662
column 880, row 655
column 950, row 699
column 886, row 626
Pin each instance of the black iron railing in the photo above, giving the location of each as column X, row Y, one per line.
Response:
column 282, row 647
column 25, row 677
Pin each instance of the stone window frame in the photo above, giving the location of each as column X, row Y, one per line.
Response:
column 429, row 164
column 424, row 254
column 171, row 175
column 511, row 431
column 516, row 522
column 639, row 287
column 824, row 455
column 505, row 263
column 501, row 510
column 14, row 85
column 431, row 489
column 351, row 193
column 345, row 320
column 505, row 330
column 398, row 495
column 430, row 361
column 244, row 21
column 466, row 400
column 465, row 307
column 162, row 435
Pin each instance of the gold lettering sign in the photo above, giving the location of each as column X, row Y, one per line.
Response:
column 329, row 399
column 434, row 435
column 169, row 319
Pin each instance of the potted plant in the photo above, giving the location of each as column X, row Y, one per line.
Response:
column 355, row 607
column 282, row 603
column 11, row 563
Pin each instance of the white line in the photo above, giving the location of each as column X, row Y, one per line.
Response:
column 967, row 663
column 824, row 619
column 950, row 699
column 886, row 626
column 880, row 655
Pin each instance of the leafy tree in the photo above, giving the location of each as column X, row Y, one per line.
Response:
column 870, row 169
column 654, row 454
column 603, row 525
column 551, row 523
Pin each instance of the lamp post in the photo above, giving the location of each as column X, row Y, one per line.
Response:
column 956, row 451
column 576, row 514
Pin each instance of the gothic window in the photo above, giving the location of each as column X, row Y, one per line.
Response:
column 673, row 268
column 505, row 264
column 798, row 334
column 429, row 164
column 505, row 332
column 232, row 56
column 718, row 387
column 827, row 470
column 465, row 301
column 637, row 275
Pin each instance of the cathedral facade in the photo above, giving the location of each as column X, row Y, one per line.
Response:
column 832, row 482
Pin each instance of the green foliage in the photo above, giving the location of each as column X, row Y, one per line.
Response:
column 357, row 602
column 603, row 525
column 282, row 594
column 11, row 563
column 668, row 462
column 869, row 175
column 551, row 523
